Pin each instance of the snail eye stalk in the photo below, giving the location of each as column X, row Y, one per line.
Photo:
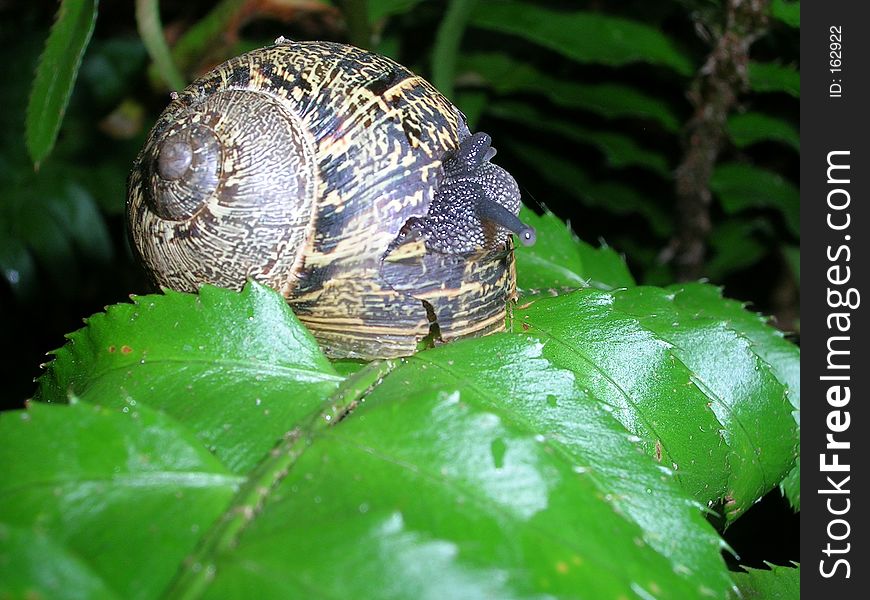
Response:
column 496, row 213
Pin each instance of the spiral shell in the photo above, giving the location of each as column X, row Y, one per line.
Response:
column 297, row 166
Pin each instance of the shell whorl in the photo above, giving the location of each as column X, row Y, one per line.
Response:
column 226, row 191
column 186, row 171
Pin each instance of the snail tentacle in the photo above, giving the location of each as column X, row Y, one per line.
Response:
column 495, row 212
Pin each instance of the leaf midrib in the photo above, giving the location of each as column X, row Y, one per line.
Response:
column 264, row 478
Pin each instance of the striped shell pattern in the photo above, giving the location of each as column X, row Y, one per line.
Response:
column 324, row 172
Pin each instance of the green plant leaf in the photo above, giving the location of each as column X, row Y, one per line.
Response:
column 619, row 150
column 789, row 12
column 453, row 479
column 783, row 357
column 381, row 9
column 753, row 127
column 791, row 486
column 689, row 384
column 111, row 68
column 559, row 259
column 778, row 583
column 583, row 36
column 56, row 74
column 735, row 246
column 226, row 363
column 48, row 221
column 33, row 565
column 611, row 100
column 447, row 41
column 773, row 77
column 740, row 186
column 51, row 231
column 476, row 458
column 499, row 466
column 767, row 342
column 120, row 497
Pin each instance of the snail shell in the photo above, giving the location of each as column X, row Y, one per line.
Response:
column 343, row 181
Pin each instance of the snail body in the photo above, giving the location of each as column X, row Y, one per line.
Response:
column 343, row 181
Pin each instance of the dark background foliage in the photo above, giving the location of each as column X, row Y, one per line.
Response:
column 687, row 164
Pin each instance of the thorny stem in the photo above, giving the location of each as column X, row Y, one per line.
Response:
column 199, row 570
column 713, row 94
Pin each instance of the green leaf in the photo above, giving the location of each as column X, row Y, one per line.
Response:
column 690, row 385
column 561, row 260
column 740, row 186
column 111, row 69
column 609, row 195
column 768, row 343
column 381, row 9
column 583, row 36
column 122, row 496
column 49, row 220
column 32, row 565
column 705, row 302
column 773, row 77
column 753, row 127
column 348, row 366
column 56, row 74
column 789, row 12
column 619, row 150
column 447, row 41
column 735, row 246
column 506, row 76
column 475, row 470
column 223, row 362
column 51, row 231
column 791, row 486
column 778, row 583
column 493, row 467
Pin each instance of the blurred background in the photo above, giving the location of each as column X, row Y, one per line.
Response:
column 667, row 130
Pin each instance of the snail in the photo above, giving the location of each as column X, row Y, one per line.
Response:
column 343, row 181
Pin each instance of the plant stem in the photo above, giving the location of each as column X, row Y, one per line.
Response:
column 192, row 45
column 199, row 569
column 151, row 31
column 713, row 94
column 447, row 42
